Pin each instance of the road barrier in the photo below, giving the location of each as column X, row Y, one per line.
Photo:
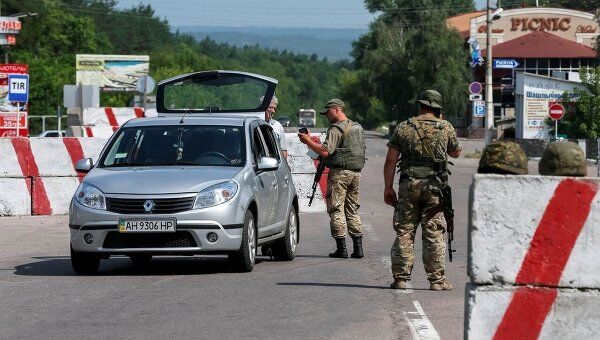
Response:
column 38, row 177
column 103, row 121
column 534, row 244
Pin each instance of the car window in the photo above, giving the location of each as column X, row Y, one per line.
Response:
column 258, row 147
column 269, row 137
column 176, row 145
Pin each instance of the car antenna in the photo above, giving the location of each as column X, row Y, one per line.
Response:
column 183, row 115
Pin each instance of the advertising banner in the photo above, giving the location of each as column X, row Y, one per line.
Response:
column 111, row 72
column 12, row 112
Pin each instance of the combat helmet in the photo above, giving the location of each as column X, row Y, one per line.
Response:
column 503, row 157
column 563, row 158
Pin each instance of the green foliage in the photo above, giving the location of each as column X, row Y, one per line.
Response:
column 407, row 50
column 582, row 119
column 49, row 41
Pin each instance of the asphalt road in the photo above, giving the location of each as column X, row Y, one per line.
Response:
column 312, row 297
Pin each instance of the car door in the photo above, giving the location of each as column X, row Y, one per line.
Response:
column 266, row 186
column 282, row 174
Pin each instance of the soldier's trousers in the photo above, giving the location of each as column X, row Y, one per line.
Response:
column 342, row 202
column 416, row 197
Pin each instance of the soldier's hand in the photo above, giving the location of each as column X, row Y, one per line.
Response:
column 304, row 137
column 389, row 197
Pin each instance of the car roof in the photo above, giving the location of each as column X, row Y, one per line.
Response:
column 192, row 119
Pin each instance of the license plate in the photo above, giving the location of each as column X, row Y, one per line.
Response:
column 147, row 225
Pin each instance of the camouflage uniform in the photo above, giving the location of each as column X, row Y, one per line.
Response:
column 342, row 190
column 563, row 158
column 418, row 194
column 503, row 157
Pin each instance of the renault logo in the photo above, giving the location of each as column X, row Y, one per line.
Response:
column 149, row 206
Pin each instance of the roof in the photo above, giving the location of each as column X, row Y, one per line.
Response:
column 541, row 45
column 462, row 22
column 191, row 119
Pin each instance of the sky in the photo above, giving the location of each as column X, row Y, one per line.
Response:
column 265, row 13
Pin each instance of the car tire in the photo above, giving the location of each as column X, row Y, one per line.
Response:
column 244, row 259
column 84, row 263
column 285, row 249
column 141, row 260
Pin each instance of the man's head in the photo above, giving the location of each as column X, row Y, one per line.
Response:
column 503, row 157
column 563, row 158
column 430, row 101
column 271, row 109
column 334, row 110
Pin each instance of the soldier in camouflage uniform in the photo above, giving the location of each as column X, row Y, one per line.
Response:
column 419, row 146
column 343, row 152
column 563, row 158
column 503, row 157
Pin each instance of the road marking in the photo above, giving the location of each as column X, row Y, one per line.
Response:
column 421, row 327
column 387, row 263
column 368, row 227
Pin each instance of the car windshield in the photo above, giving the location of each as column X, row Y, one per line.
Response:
column 176, row 145
column 214, row 92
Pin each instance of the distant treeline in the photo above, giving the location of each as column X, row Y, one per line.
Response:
column 49, row 42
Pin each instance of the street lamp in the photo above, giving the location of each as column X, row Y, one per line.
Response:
column 489, row 94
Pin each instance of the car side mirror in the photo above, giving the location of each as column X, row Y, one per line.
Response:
column 84, row 165
column 267, row 164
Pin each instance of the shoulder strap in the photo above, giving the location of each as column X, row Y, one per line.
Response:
column 427, row 149
column 347, row 129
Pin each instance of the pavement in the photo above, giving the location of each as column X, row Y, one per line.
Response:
column 312, row 297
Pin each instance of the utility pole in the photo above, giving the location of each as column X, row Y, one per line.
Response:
column 489, row 95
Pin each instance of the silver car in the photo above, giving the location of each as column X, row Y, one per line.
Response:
column 205, row 177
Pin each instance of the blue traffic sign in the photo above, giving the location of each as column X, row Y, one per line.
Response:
column 479, row 108
column 506, row 63
column 18, row 88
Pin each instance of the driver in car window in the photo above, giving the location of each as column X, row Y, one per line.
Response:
column 277, row 127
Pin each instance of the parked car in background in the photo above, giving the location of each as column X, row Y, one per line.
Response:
column 285, row 121
column 202, row 178
column 52, row 133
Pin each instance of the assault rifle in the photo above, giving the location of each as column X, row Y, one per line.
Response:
column 445, row 206
column 317, row 179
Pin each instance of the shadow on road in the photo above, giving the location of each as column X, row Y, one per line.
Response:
column 123, row 266
column 340, row 285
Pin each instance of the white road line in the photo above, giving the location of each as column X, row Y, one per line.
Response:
column 368, row 230
column 387, row 263
column 421, row 327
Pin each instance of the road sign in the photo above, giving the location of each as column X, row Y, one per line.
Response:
column 145, row 85
column 479, row 108
column 475, row 88
column 556, row 111
column 474, row 97
column 506, row 63
column 18, row 88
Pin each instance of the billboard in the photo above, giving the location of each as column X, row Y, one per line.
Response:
column 13, row 116
column 111, row 72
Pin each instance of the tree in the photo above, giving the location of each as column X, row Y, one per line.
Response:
column 582, row 119
column 408, row 49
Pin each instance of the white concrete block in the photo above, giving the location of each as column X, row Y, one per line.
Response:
column 303, row 184
column 14, row 197
column 51, row 157
column 9, row 164
column 60, row 190
column 92, row 147
column 505, row 212
column 573, row 315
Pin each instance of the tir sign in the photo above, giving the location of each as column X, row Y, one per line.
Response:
column 18, row 88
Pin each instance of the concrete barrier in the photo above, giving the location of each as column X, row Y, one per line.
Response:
column 41, row 178
column 534, row 242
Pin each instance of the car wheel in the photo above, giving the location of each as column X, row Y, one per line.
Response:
column 244, row 259
column 84, row 263
column 285, row 249
column 141, row 260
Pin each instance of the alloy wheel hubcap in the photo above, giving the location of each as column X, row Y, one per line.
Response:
column 293, row 232
column 251, row 243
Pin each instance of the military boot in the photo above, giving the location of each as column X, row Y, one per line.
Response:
column 398, row 284
column 444, row 285
column 358, row 248
column 341, row 251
